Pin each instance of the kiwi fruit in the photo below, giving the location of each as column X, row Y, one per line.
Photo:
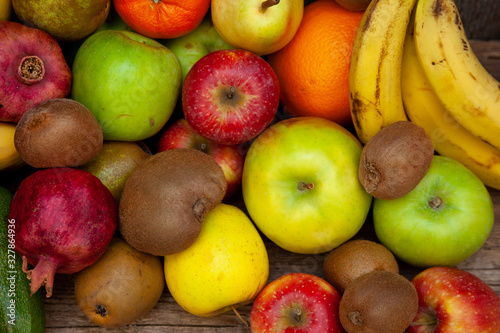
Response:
column 121, row 287
column 354, row 5
column 378, row 302
column 354, row 258
column 395, row 160
column 166, row 198
column 58, row 132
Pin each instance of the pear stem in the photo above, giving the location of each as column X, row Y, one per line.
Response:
column 269, row 3
column 239, row 316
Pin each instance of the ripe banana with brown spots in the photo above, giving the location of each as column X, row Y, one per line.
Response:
column 375, row 68
column 450, row 139
column 466, row 89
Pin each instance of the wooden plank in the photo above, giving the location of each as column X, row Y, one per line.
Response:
column 488, row 52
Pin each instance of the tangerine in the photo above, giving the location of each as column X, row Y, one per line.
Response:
column 162, row 19
column 313, row 68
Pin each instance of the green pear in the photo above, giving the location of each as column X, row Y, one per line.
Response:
column 115, row 163
column 66, row 21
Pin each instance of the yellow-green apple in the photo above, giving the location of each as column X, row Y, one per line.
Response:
column 193, row 46
column 226, row 267
column 230, row 158
column 445, row 219
column 300, row 184
column 66, row 21
column 5, row 10
column 131, row 83
column 296, row 303
column 230, row 96
column 259, row 26
column 452, row 300
column 115, row 163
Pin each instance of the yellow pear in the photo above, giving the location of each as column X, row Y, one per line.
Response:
column 226, row 267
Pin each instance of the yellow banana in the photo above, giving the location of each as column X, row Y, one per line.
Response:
column 375, row 69
column 450, row 138
column 464, row 86
column 9, row 157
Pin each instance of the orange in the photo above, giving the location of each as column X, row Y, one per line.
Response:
column 313, row 68
column 162, row 19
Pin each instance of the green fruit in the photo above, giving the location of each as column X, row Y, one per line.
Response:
column 115, row 163
column 129, row 82
column 19, row 312
column 66, row 21
column 192, row 47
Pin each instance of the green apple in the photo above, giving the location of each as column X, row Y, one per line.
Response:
column 226, row 267
column 131, row 83
column 192, row 47
column 445, row 219
column 300, row 185
column 259, row 26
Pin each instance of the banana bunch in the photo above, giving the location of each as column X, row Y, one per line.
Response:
column 9, row 157
column 443, row 86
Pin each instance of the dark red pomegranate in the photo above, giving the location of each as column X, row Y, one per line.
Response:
column 64, row 220
column 33, row 69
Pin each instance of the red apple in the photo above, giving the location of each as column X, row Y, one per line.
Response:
column 296, row 303
column 230, row 96
column 229, row 157
column 452, row 300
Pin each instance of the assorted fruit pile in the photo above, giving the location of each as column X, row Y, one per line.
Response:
column 129, row 127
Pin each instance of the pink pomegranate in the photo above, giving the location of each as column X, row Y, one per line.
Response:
column 64, row 220
column 33, row 69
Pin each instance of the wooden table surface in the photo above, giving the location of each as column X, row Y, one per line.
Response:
column 63, row 314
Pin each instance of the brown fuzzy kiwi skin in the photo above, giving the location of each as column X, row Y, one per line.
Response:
column 58, row 132
column 354, row 258
column 166, row 198
column 378, row 302
column 395, row 160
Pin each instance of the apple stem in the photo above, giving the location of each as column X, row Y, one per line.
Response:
column 436, row 202
column 239, row 316
column 297, row 314
column 269, row 3
column 156, row 1
column 232, row 90
column 305, row 186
